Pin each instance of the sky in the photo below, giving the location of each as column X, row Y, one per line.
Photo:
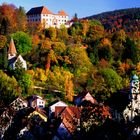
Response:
column 83, row 8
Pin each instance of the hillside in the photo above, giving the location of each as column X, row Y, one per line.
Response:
column 127, row 19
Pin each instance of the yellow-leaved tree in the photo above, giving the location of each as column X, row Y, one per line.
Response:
column 60, row 80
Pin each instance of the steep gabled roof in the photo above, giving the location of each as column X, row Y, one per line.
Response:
column 38, row 10
column 12, row 48
column 62, row 13
column 84, row 99
column 69, row 116
column 39, row 112
column 59, row 110
column 55, row 103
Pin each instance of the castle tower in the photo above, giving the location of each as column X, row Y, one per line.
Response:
column 12, row 50
column 135, row 86
column 135, row 96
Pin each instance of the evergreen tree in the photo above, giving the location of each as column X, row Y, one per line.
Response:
column 131, row 51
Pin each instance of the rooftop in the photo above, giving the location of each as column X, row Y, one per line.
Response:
column 39, row 10
column 63, row 13
column 12, row 48
column 44, row 10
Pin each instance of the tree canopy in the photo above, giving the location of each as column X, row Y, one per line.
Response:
column 22, row 41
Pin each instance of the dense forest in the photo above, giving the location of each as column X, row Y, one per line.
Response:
column 82, row 57
column 98, row 54
column 127, row 19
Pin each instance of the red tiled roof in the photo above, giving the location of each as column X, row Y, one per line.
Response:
column 58, row 110
column 39, row 10
column 12, row 48
column 63, row 13
column 76, row 111
column 46, row 11
column 70, row 116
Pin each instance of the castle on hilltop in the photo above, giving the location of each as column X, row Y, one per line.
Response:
column 47, row 18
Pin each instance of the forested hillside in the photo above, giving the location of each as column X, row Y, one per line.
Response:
column 69, row 60
column 96, row 57
column 127, row 19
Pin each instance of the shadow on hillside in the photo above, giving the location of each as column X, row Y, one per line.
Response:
column 119, row 100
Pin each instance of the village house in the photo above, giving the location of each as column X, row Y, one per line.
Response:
column 40, row 113
column 41, row 15
column 53, row 105
column 7, row 116
column 19, row 104
column 70, row 121
column 14, row 59
column 35, row 121
column 83, row 98
column 36, row 101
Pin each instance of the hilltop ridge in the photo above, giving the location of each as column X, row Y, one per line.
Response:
column 127, row 19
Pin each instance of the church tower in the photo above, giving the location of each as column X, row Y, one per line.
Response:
column 12, row 50
column 133, row 109
column 135, row 96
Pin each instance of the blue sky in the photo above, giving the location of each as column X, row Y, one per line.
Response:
column 83, row 8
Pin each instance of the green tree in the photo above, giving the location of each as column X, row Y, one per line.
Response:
column 106, row 82
column 80, row 65
column 59, row 79
column 51, row 33
column 18, row 64
column 59, row 48
column 3, row 58
column 25, row 82
column 105, row 52
column 62, row 33
column 79, row 58
column 9, row 88
column 92, row 51
column 3, row 41
column 76, row 29
column 4, row 30
column 131, row 51
column 85, row 26
column 21, row 19
column 118, row 41
column 96, row 31
column 112, row 79
column 22, row 41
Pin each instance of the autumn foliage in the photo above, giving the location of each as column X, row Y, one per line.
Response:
column 96, row 54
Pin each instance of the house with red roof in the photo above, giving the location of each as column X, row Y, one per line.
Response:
column 70, row 121
column 46, row 17
column 54, row 105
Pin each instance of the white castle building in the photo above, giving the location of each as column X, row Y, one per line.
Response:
column 47, row 18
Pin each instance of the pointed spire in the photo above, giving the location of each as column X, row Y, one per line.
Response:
column 12, row 48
